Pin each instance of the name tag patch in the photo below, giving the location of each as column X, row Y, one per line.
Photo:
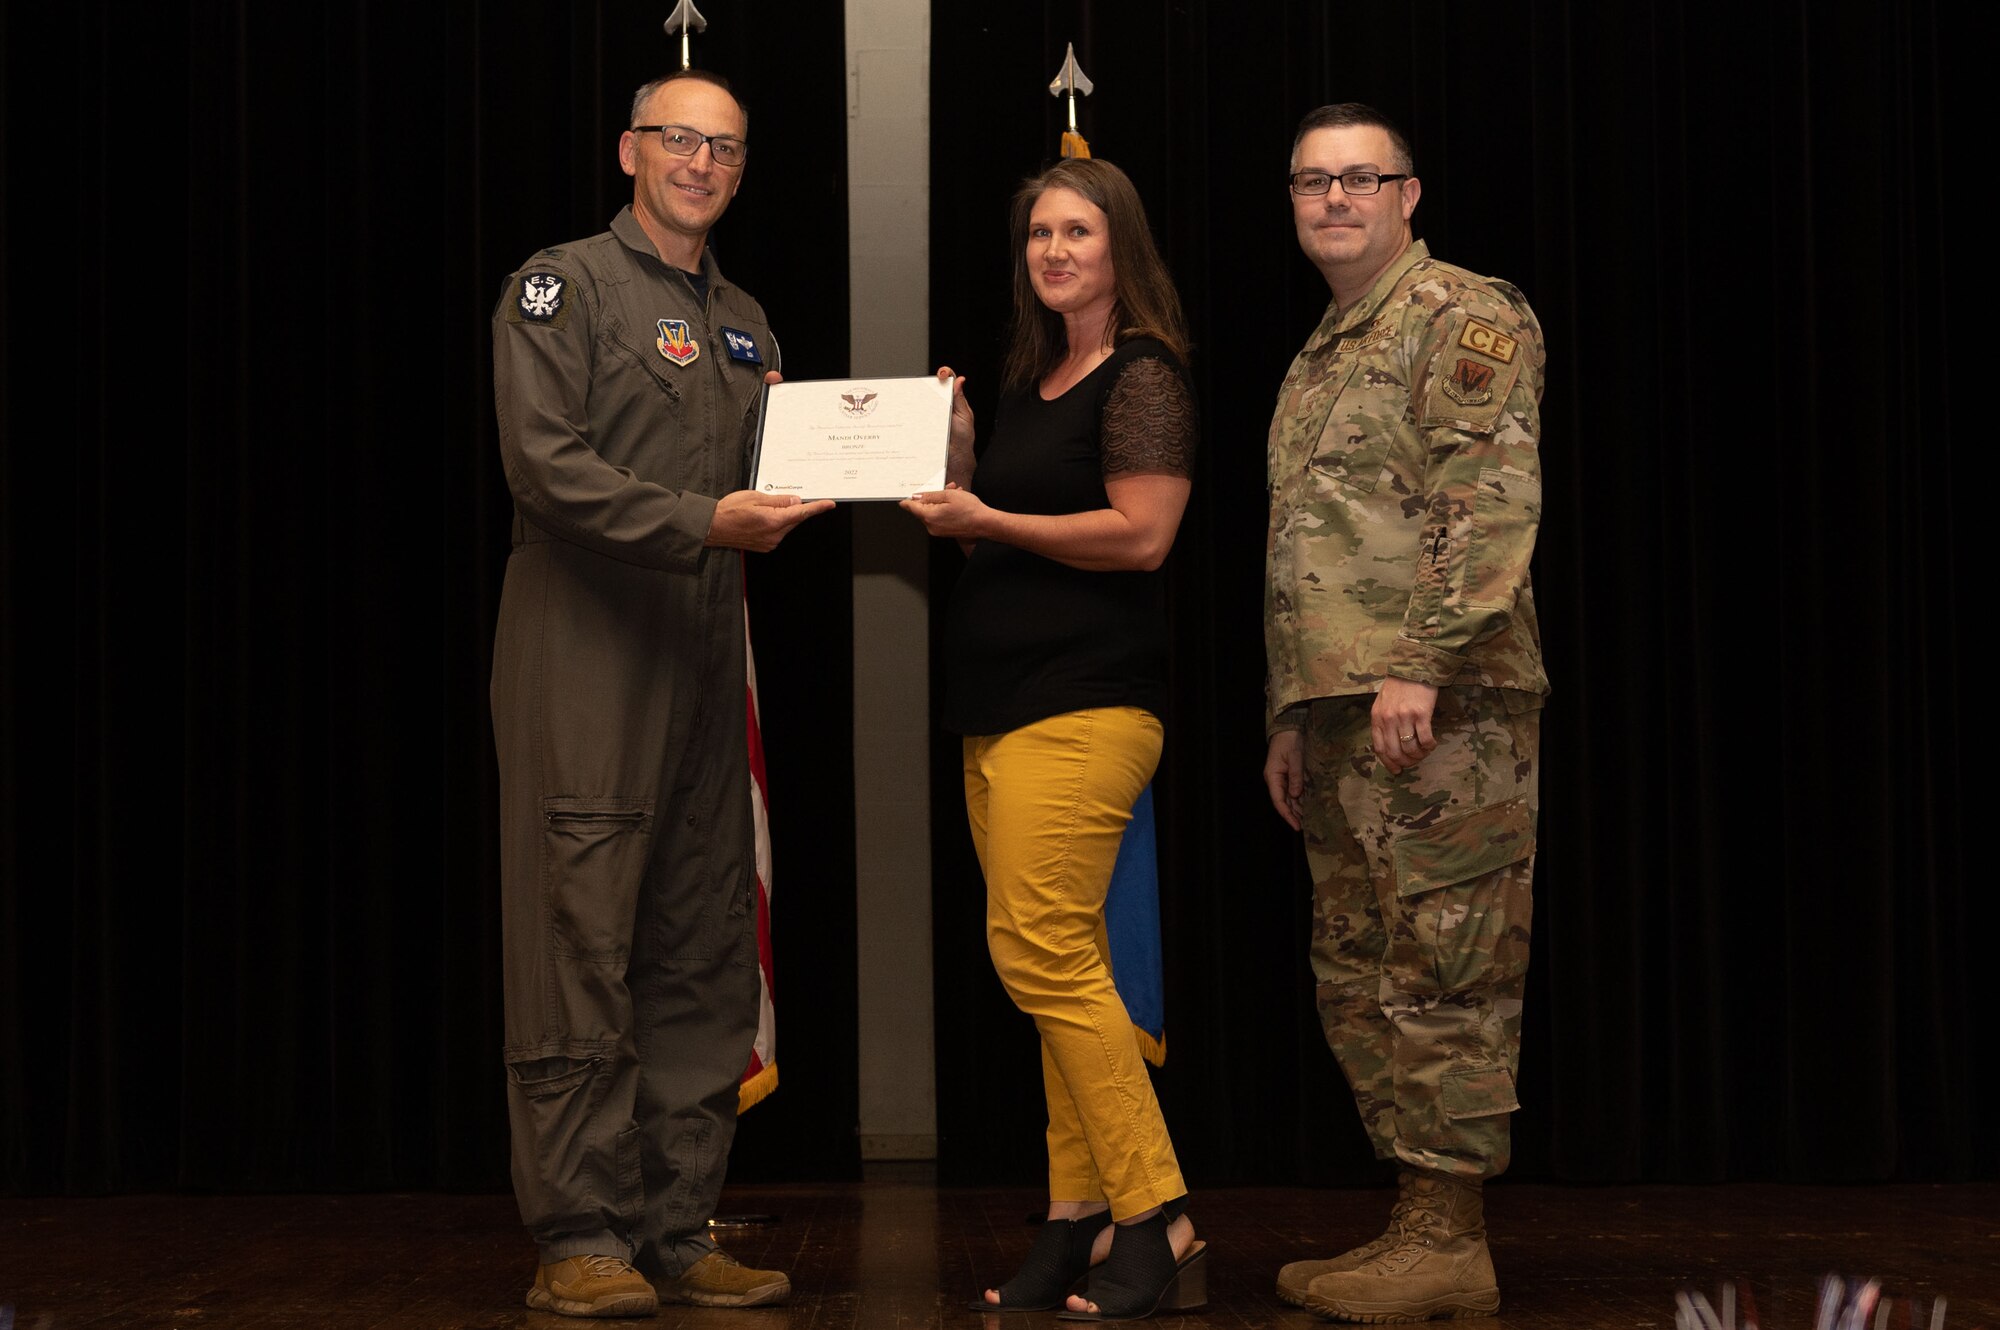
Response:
column 742, row 346
column 1361, row 341
column 677, row 343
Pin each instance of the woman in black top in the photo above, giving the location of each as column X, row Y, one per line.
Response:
column 1056, row 676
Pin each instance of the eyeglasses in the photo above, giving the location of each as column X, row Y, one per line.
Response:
column 1351, row 182
column 682, row 141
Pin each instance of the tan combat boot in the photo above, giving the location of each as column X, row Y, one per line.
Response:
column 1440, row 1268
column 592, row 1286
column 1293, row 1278
column 720, row 1280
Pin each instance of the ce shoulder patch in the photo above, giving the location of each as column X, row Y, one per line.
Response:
column 1488, row 341
column 1469, row 392
column 540, row 297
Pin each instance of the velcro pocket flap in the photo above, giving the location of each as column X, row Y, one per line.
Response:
column 1479, row 1092
column 1463, row 847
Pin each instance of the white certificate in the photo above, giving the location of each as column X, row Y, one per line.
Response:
column 853, row 438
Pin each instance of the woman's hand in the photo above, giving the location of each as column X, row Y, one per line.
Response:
column 950, row 511
column 958, row 451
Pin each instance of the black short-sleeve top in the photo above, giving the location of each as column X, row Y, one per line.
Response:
column 1027, row 637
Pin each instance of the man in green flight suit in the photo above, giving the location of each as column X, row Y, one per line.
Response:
column 1404, row 701
column 627, row 376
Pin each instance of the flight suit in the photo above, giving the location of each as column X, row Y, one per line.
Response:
column 627, row 404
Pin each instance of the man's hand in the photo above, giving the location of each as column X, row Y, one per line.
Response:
column 1285, row 775
column 747, row 520
column 1401, row 723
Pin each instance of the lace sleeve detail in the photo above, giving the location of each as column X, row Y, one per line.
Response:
column 1149, row 424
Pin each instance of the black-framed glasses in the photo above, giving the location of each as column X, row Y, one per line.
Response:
column 1351, row 182
column 682, row 141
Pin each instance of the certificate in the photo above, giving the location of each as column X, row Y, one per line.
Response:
column 853, row 438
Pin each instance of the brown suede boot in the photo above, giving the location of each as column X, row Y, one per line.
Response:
column 592, row 1286
column 720, row 1280
column 1293, row 1278
column 1440, row 1268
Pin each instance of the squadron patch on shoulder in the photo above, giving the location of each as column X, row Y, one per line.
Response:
column 541, row 296
column 1471, row 384
column 677, row 343
column 1487, row 341
column 742, row 346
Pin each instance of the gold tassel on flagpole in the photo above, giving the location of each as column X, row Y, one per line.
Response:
column 1068, row 82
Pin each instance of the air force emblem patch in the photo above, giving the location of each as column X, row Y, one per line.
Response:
column 541, row 296
column 742, row 346
column 677, row 344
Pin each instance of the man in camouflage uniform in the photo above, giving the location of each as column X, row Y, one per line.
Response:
column 1405, row 695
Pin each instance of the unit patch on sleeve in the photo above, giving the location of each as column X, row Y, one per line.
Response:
column 677, row 344
column 742, row 346
column 540, row 299
column 1471, row 384
column 1487, row 341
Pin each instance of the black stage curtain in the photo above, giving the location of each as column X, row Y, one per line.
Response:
column 251, row 544
column 251, row 539
column 1757, row 945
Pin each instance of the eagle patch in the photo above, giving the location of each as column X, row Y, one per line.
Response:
column 541, row 298
column 677, row 344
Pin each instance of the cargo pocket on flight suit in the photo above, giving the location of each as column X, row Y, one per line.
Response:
column 551, row 1101
column 593, row 859
column 1464, row 887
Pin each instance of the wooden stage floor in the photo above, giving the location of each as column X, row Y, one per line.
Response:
column 896, row 1252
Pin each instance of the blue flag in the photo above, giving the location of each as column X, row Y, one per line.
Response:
column 1132, row 920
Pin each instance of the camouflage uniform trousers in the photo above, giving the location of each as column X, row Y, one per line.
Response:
column 1423, row 893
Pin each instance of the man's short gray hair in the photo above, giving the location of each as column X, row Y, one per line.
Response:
column 646, row 91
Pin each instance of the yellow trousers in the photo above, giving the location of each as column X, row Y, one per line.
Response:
column 1048, row 804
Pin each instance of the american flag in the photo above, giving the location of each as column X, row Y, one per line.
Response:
column 761, row 1076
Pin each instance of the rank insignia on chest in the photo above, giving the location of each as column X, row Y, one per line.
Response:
column 1471, row 384
column 541, row 296
column 742, row 346
column 676, row 343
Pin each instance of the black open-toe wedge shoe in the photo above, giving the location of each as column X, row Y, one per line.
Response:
column 1059, row 1258
column 1141, row 1276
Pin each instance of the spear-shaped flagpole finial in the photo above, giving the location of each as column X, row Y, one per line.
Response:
column 684, row 18
column 1068, row 82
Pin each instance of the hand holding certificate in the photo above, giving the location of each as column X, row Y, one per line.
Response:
column 854, row 438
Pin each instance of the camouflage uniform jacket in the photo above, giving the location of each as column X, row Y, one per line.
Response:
column 1405, row 493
